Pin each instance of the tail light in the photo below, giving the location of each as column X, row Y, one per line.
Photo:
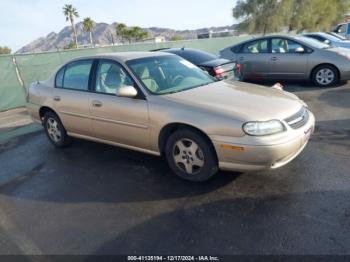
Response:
column 219, row 71
column 238, row 67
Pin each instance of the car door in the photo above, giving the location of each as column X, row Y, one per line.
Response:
column 118, row 119
column 286, row 60
column 253, row 58
column 71, row 96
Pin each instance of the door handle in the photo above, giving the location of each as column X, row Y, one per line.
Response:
column 241, row 58
column 274, row 58
column 57, row 98
column 96, row 103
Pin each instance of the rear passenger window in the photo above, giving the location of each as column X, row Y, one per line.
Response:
column 256, row 47
column 77, row 75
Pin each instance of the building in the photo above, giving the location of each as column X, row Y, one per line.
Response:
column 157, row 39
column 212, row 34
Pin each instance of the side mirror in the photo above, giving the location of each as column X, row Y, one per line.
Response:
column 327, row 41
column 126, row 91
column 299, row 50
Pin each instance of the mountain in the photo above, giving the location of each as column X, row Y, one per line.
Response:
column 104, row 34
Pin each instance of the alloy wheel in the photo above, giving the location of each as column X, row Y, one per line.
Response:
column 53, row 130
column 188, row 156
column 325, row 76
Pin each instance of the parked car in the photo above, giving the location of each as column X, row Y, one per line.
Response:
column 290, row 57
column 342, row 29
column 329, row 39
column 219, row 68
column 162, row 104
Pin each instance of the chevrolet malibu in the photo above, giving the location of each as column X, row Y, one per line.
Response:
column 161, row 104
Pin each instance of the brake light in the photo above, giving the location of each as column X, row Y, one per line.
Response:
column 219, row 71
column 238, row 67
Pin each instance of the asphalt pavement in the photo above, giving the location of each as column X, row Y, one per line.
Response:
column 97, row 199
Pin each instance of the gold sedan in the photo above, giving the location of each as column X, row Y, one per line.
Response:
column 161, row 104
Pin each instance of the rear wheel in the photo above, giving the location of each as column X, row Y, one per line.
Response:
column 325, row 75
column 55, row 130
column 190, row 156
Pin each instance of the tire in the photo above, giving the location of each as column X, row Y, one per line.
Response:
column 55, row 131
column 189, row 163
column 325, row 75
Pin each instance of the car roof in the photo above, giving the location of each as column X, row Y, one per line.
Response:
column 123, row 56
column 267, row 37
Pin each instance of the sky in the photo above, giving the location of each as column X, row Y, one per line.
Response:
column 22, row 21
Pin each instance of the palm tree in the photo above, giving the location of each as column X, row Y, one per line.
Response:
column 121, row 31
column 88, row 26
column 70, row 13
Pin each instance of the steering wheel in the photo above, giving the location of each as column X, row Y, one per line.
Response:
column 177, row 80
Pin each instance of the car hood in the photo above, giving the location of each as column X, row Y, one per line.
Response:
column 242, row 101
column 345, row 44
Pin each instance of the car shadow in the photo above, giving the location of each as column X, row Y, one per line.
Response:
column 291, row 223
column 93, row 172
column 337, row 97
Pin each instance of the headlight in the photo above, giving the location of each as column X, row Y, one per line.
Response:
column 263, row 128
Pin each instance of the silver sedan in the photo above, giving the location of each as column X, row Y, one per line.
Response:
column 283, row 57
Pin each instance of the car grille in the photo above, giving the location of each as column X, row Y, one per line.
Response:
column 299, row 119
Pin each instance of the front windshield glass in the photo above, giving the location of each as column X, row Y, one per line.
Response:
column 338, row 36
column 168, row 74
column 313, row 43
column 330, row 37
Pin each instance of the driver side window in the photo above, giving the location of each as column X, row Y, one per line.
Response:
column 284, row 46
column 110, row 76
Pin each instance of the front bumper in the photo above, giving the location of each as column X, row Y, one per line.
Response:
column 236, row 154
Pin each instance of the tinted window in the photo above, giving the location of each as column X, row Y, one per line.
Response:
column 283, row 45
column 236, row 49
column 256, row 47
column 59, row 77
column 342, row 28
column 194, row 56
column 110, row 76
column 77, row 75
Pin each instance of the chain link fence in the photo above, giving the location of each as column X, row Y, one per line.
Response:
column 18, row 71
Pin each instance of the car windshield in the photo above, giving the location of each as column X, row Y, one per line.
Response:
column 168, row 74
column 312, row 42
column 330, row 37
column 338, row 36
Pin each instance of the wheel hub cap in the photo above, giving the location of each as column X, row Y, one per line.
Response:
column 188, row 156
column 53, row 130
column 325, row 76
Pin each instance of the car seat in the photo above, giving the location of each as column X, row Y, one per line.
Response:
column 145, row 77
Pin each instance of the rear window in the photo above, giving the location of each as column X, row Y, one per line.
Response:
column 195, row 56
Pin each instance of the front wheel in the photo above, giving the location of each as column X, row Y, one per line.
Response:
column 55, row 130
column 191, row 156
column 325, row 76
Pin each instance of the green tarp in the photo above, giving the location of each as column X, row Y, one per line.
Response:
column 39, row 66
column 12, row 94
